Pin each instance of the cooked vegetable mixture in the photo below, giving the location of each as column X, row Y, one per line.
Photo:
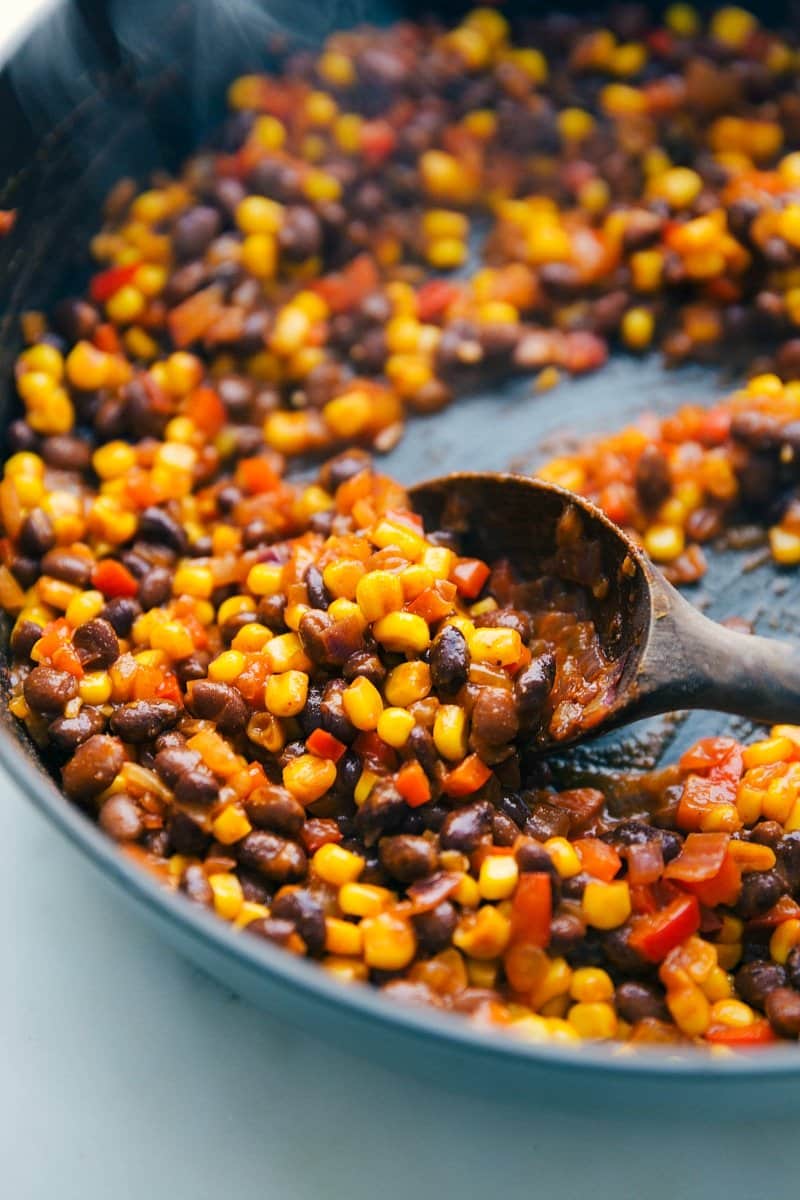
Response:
column 290, row 700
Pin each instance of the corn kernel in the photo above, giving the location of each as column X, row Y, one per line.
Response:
column 309, row 777
column 637, row 328
column 769, row 750
column 389, row 941
column 231, row 825
column 733, row 1013
column 554, row 982
column 483, row 934
column 228, row 897
column 193, row 580
column 227, row 667
column 84, row 607
column 664, row 543
column 362, row 703
column 785, row 546
column 498, row 876
column 395, row 726
column 173, row 638
column 343, row 937
column 732, row 26
column 408, row 683
column 285, row 653
column 363, row 899
column 336, row 865
column 467, row 894
column 606, row 905
column 450, row 732
column 379, row 593
column 784, row 939
column 95, row 687
column 591, row 984
column 690, row 1010
column 286, row 694
column 596, row 1019
column 565, row 857
column 501, row 647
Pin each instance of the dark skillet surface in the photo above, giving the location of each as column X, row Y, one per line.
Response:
column 67, row 146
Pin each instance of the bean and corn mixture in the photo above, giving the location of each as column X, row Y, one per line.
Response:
column 291, row 701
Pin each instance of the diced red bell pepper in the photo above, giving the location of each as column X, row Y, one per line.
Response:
column 467, row 777
column 469, row 575
column 722, row 888
column 113, row 579
column 643, row 900
column 655, row 935
column 581, row 804
column 434, row 603
column 106, row 338
column 374, row 752
column 377, row 141
column 206, row 410
column 413, row 785
column 434, row 297
column 325, row 745
column 189, row 320
column 760, row 1033
column 103, row 285
column 720, row 758
column 598, row 858
column 532, row 909
column 257, row 476
column 8, row 218
column 700, row 858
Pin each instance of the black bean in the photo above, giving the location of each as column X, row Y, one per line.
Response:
column 507, row 618
column 318, row 595
column 196, row 786
column 93, row 767
column 97, row 644
column 532, row 856
column 546, row 820
column 24, row 637
column 21, row 437
column 767, row 833
column 187, row 836
column 793, row 968
column 574, row 887
column 194, row 230
column 566, row 932
column 173, row 761
column 494, row 716
column 25, row 570
column 332, row 714
column 36, row 535
column 66, row 453
column 330, row 643
column 221, row 703
column 422, row 747
column 121, row 612
column 407, row 858
column 272, row 930
column 194, row 666
column 69, row 566
column 755, row 980
column 120, row 818
column 342, row 467
column 532, row 688
column 435, row 928
column 68, row 732
column 384, row 809
column 465, row 828
column 75, row 318
column 449, row 661
column 620, row 953
column 274, row 857
column 270, row 612
column 196, row 886
column 48, row 690
column 783, row 1012
column 653, row 479
column 365, row 663
column 760, row 890
column 155, row 587
column 789, row 861
column 273, row 807
column 143, row 720
column 156, row 525
column 305, row 911
column 639, row 1001
column 300, row 234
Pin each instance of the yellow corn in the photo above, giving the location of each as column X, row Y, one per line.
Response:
column 784, row 939
column 286, row 653
column 336, row 865
column 590, row 984
column 499, row 875
column 95, row 687
column 362, row 703
column 690, row 1010
column 395, row 726
column 402, row 633
column 593, row 1019
column 450, row 732
column 363, row 899
column 227, row 667
column 501, row 647
column 389, row 941
column 231, row 825
column 379, row 593
column 264, row 579
column 341, row 577
column 483, row 934
column 343, row 937
column 309, row 777
column 285, row 695
column 606, row 905
column 408, row 683
column 564, row 855
column 228, row 897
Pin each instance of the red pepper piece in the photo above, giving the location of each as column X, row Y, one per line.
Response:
column 325, row 745
column 723, row 888
column 532, row 909
column 760, row 1033
column 467, row 777
column 700, row 859
column 654, row 936
column 469, row 575
column 113, row 579
column 413, row 785
column 598, row 858
column 319, row 831
column 103, row 285
column 434, row 297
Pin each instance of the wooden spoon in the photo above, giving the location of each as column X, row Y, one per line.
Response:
column 667, row 654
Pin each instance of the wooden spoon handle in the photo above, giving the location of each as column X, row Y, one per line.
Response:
column 692, row 662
